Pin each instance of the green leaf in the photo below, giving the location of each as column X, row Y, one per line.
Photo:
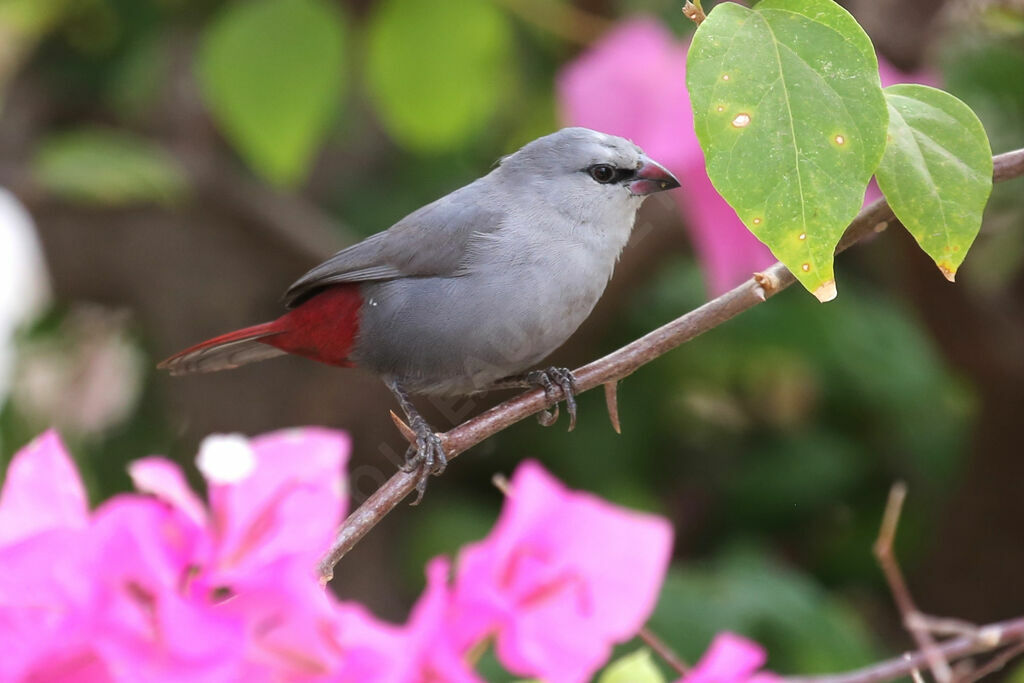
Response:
column 788, row 108
column 936, row 172
column 271, row 74
column 437, row 71
column 103, row 166
column 632, row 668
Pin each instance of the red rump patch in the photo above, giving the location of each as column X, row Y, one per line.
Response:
column 322, row 328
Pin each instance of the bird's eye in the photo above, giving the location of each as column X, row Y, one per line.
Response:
column 602, row 173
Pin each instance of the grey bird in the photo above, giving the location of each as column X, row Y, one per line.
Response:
column 467, row 293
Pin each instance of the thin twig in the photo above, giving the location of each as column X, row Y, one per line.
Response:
column 502, row 483
column 403, row 429
column 988, row 638
column 614, row 366
column 996, row 663
column 694, row 12
column 611, row 399
column 943, row 626
column 898, row 586
column 664, row 651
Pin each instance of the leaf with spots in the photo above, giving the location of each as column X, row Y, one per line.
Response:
column 936, row 172
column 789, row 111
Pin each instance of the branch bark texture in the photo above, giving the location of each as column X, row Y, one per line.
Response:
column 984, row 639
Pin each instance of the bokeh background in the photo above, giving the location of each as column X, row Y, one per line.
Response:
column 171, row 166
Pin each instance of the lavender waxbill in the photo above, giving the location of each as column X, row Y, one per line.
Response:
column 469, row 292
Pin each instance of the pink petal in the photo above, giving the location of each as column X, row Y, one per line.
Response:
column 289, row 504
column 71, row 666
column 436, row 654
column 729, row 658
column 561, row 578
column 891, row 75
column 727, row 252
column 146, row 556
column 42, row 491
column 144, row 545
column 291, row 622
column 371, row 650
column 164, row 479
column 167, row 638
column 47, row 602
column 632, row 83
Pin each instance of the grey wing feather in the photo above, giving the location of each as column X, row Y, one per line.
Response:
column 434, row 240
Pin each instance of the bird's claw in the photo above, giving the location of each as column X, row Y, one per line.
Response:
column 550, row 380
column 426, row 457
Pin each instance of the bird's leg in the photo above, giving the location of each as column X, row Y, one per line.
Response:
column 548, row 380
column 427, row 454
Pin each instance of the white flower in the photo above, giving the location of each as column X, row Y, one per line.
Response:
column 24, row 282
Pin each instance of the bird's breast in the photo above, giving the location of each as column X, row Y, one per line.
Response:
column 510, row 308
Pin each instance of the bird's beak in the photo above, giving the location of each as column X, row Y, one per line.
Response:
column 652, row 177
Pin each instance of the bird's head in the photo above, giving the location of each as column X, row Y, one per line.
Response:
column 587, row 172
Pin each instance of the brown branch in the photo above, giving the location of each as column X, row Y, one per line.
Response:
column 615, row 366
column 898, row 586
column 694, row 12
column 664, row 651
column 996, row 663
column 986, row 639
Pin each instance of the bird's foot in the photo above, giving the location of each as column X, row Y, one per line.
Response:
column 550, row 380
column 426, row 456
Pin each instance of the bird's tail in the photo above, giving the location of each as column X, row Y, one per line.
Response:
column 322, row 328
column 226, row 351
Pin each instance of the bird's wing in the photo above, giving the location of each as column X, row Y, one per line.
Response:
column 434, row 240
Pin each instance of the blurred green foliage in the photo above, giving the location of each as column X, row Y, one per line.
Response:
column 802, row 627
column 272, row 73
column 438, row 71
column 108, row 167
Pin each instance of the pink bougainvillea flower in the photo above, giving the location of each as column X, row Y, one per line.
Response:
column 275, row 502
column 892, row 75
column 157, row 587
column 430, row 651
column 42, row 491
column 280, row 494
column 372, row 650
column 632, row 83
column 268, row 497
column 421, row 650
column 43, row 546
column 146, row 620
column 47, row 600
column 561, row 578
column 731, row 659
